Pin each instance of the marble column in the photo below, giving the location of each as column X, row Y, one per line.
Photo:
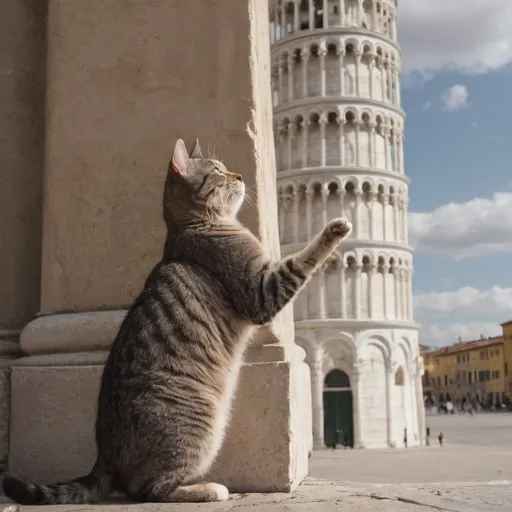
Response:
column 341, row 55
column 106, row 147
column 357, row 399
column 391, row 369
column 296, row 6
column 317, row 394
column 322, row 54
column 291, row 76
column 304, row 55
column 420, row 406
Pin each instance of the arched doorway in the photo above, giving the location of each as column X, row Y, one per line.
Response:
column 338, row 410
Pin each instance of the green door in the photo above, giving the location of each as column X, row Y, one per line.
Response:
column 338, row 418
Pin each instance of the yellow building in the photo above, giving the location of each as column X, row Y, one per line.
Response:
column 474, row 369
column 507, row 342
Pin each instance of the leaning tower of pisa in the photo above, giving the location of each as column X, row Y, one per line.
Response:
column 338, row 128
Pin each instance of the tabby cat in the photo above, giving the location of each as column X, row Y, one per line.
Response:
column 170, row 377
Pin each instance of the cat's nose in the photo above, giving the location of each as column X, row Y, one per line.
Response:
column 239, row 177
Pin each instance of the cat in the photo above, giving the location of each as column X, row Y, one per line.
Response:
column 169, row 379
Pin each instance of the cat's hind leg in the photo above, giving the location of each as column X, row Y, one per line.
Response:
column 164, row 490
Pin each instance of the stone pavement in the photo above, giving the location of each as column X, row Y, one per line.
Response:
column 324, row 496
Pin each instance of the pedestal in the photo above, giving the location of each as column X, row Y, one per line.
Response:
column 54, row 407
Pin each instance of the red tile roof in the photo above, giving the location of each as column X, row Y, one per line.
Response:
column 466, row 345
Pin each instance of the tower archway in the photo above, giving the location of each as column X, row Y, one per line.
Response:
column 338, row 410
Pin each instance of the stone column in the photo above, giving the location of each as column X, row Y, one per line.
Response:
column 309, row 212
column 382, row 69
column 290, row 134
column 305, row 141
column 371, row 144
column 325, row 13
column 283, row 20
column 371, row 284
column 420, row 370
column 357, row 212
column 296, row 6
column 341, row 55
column 358, row 142
column 385, row 206
column 341, row 132
column 323, row 142
column 358, row 53
column 22, row 61
column 401, row 154
column 296, row 219
column 387, row 149
column 357, row 295
column 385, row 290
column 291, row 76
column 322, row 53
column 371, row 68
column 317, row 391
column 304, row 55
column 391, row 369
column 343, row 291
column 357, row 398
column 280, row 81
column 114, row 109
column 398, row 99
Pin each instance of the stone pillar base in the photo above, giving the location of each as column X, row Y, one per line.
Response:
column 269, row 439
column 9, row 350
column 54, row 397
column 54, row 407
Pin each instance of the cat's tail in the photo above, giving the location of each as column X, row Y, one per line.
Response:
column 87, row 489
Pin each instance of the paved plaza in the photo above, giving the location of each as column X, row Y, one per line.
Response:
column 476, row 449
column 470, row 473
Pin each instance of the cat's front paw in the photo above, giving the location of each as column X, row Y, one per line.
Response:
column 339, row 227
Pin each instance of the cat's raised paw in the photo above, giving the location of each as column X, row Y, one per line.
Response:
column 340, row 227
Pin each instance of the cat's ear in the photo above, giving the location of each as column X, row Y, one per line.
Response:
column 196, row 151
column 180, row 158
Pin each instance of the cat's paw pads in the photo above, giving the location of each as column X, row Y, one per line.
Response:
column 340, row 227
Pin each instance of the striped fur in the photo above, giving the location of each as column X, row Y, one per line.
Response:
column 170, row 377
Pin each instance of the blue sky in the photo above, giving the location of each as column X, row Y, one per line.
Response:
column 457, row 93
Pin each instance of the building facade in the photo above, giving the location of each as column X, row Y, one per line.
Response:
column 472, row 370
column 338, row 130
column 507, row 347
column 478, row 371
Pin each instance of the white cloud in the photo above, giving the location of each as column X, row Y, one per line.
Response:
column 462, row 230
column 472, row 36
column 455, row 97
column 434, row 307
column 466, row 301
column 441, row 334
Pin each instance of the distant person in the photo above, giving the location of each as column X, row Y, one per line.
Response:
column 428, row 436
column 405, row 437
column 440, row 437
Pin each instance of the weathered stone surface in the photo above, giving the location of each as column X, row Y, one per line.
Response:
column 325, row 496
column 54, row 407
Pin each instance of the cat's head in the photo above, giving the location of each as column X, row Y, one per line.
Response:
column 199, row 188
